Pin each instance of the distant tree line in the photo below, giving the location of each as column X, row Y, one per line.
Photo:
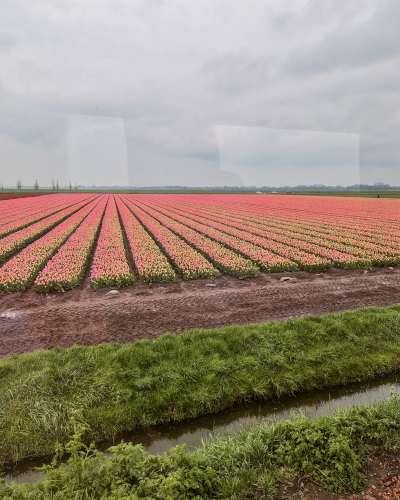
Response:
column 321, row 187
column 54, row 186
column 313, row 187
column 379, row 186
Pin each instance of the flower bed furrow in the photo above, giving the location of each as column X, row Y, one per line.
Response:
column 223, row 258
column 15, row 205
column 25, row 221
column 66, row 269
column 342, row 255
column 338, row 236
column 150, row 262
column 347, row 230
column 267, row 260
column 238, row 234
column 31, row 209
column 23, row 237
column 353, row 241
column 21, row 270
column 31, row 212
column 318, row 222
column 13, row 213
column 190, row 263
column 237, row 239
column 338, row 256
column 110, row 266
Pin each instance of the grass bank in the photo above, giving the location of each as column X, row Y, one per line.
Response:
column 331, row 451
column 110, row 388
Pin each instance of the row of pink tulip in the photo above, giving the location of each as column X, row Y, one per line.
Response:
column 66, row 269
column 30, row 218
column 355, row 209
column 370, row 245
column 311, row 209
column 294, row 257
column 150, row 262
column 342, row 255
column 36, row 205
column 346, row 224
column 21, row 270
column 338, row 218
column 343, row 231
column 188, row 262
column 223, row 258
column 8, row 206
column 22, row 206
column 366, row 251
column 334, row 234
column 301, row 229
column 110, row 266
column 267, row 260
column 23, row 237
column 237, row 234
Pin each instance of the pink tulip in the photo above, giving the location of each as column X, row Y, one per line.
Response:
column 110, row 266
column 65, row 270
column 21, row 270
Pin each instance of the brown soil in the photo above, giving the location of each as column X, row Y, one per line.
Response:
column 383, row 482
column 11, row 196
column 30, row 320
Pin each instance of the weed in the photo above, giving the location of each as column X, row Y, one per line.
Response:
column 331, row 451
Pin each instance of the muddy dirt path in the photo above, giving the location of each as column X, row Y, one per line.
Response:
column 29, row 320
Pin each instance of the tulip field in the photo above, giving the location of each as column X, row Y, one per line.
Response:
column 51, row 242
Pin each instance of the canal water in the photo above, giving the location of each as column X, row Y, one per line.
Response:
column 159, row 439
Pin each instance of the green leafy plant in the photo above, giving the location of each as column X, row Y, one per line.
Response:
column 330, row 450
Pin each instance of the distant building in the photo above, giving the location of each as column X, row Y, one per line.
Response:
column 259, row 192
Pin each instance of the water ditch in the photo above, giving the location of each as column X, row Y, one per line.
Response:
column 159, row 439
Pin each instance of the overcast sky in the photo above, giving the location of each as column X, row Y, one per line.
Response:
column 154, row 92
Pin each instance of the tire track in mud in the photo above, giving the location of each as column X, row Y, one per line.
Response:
column 86, row 317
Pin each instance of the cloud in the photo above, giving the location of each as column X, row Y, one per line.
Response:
column 171, row 69
column 375, row 40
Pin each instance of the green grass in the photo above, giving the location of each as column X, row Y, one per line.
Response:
column 110, row 388
column 331, row 451
column 350, row 194
column 346, row 193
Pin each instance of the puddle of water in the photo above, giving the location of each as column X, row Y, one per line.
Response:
column 8, row 319
column 159, row 439
column 10, row 315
